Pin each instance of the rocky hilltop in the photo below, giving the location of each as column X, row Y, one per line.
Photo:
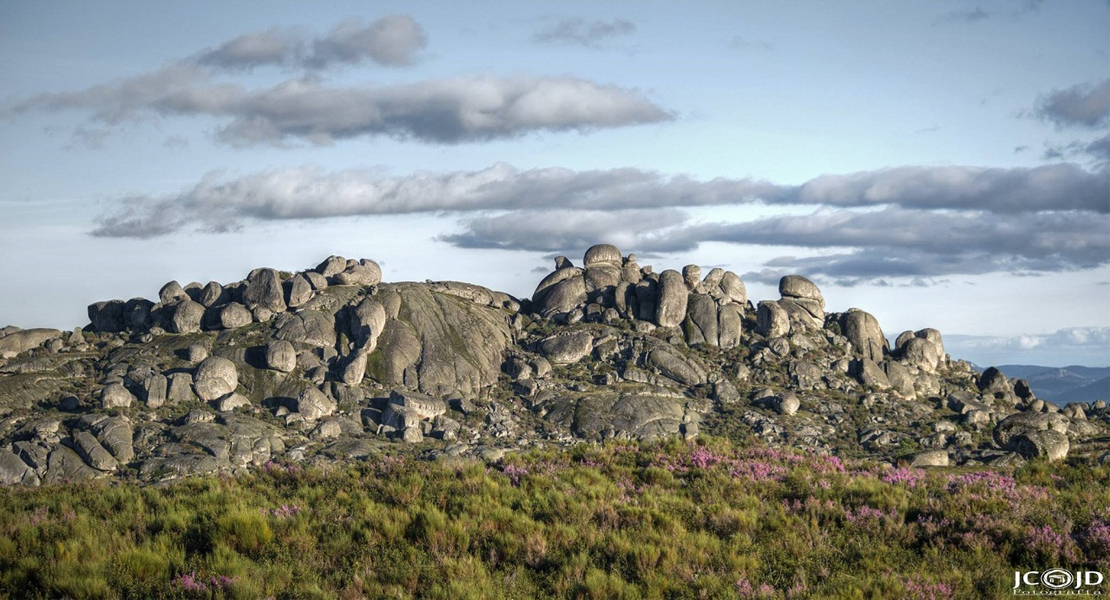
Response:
column 330, row 364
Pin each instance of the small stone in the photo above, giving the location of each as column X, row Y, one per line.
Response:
column 930, row 458
column 231, row 402
column 195, row 353
column 787, row 403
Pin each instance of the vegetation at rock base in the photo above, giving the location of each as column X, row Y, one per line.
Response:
column 667, row 519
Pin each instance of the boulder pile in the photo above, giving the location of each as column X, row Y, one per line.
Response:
column 331, row 364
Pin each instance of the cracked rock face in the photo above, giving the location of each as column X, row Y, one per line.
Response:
column 330, row 364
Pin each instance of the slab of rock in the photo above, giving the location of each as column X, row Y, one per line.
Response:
column 691, row 275
column 424, row 406
column 300, row 290
column 136, row 312
column 869, row 373
column 730, row 322
column 332, row 265
column 14, row 471
column 27, row 339
column 992, row 380
column 1048, row 443
column 701, row 325
column 796, row 286
column 311, row 327
column 602, row 278
column 567, row 348
column 786, row 403
column 863, row 332
column 117, row 435
column 600, row 416
column 107, row 316
column 95, row 455
column 355, row 369
column 367, row 323
column 602, row 254
column 180, row 389
column 673, row 365
column 671, row 302
column 64, row 466
column 733, row 288
column 560, row 292
column 171, row 293
column 1026, row 422
column 440, row 345
column 195, row 353
column 922, row 354
column 930, row 458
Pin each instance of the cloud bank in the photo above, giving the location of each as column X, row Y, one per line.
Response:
column 306, row 109
column 443, row 111
column 1074, row 345
column 1083, row 105
column 915, row 222
column 391, row 41
column 582, row 33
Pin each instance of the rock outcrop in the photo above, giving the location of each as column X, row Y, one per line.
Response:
column 330, row 363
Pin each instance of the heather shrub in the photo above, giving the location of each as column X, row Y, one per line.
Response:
column 669, row 519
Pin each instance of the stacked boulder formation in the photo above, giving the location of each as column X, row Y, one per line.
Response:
column 331, row 364
column 610, row 288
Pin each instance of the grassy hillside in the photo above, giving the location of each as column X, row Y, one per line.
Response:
column 619, row 521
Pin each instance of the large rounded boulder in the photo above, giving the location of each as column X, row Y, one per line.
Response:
column 863, row 331
column 602, row 254
column 215, row 377
column 771, row 320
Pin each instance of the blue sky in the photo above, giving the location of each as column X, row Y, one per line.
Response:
column 940, row 164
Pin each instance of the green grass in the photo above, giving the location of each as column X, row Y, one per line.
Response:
column 661, row 520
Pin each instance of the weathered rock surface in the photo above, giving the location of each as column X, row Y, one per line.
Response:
column 264, row 290
column 281, row 356
column 313, row 404
column 772, row 321
column 672, row 298
column 115, row 395
column 187, row 316
column 567, row 348
column 215, row 377
column 234, row 316
column 1048, row 443
column 26, row 339
column 863, row 331
column 303, row 371
column 440, row 344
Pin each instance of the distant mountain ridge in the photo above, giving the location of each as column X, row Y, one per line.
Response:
column 1064, row 384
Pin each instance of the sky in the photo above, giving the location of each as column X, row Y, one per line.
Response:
column 939, row 164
